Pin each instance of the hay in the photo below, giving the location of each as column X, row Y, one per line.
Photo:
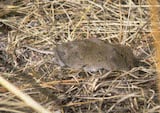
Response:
column 41, row 24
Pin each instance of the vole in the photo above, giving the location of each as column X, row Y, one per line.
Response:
column 93, row 54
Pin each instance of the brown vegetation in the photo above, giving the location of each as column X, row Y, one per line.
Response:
column 42, row 24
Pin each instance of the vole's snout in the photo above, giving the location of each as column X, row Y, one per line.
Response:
column 136, row 62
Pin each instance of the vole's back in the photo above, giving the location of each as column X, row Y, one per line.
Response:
column 94, row 54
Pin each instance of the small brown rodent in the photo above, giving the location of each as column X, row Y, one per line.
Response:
column 94, row 54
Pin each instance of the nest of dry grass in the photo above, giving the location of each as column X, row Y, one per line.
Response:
column 42, row 24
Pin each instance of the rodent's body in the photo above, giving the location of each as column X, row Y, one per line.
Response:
column 94, row 54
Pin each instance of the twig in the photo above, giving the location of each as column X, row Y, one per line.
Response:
column 24, row 97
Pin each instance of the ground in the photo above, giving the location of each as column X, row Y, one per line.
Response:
column 42, row 24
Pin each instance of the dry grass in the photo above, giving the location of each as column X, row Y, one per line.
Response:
column 43, row 23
